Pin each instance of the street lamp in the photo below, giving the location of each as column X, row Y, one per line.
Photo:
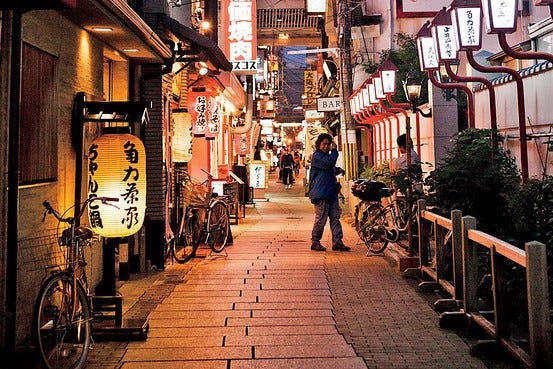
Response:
column 446, row 51
column 466, row 17
column 500, row 16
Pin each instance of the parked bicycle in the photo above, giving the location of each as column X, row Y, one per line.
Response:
column 62, row 320
column 205, row 219
column 378, row 224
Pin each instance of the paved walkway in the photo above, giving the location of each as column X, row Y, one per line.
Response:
column 274, row 303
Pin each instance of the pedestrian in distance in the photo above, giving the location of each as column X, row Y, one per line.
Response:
column 287, row 167
column 323, row 193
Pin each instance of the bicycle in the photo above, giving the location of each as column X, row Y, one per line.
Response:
column 378, row 224
column 206, row 218
column 62, row 320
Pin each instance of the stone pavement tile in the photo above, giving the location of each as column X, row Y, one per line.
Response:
column 188, row 322
column 283, row 305
column 168, row 342
column 306, row 296
column 188, row 353
column 198, row 314
column 292, row 330
column 315, row 363
column 203, row 306
column 303, row 351
column 274, row 294
column 198, row 331
column 300, row 284
column 289, row 340
column 224, row 287
column 274, row 322
column 212, row 300
column 290, row 313
column 206, row 364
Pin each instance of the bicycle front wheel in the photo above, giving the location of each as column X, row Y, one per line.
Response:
column 62, row 323
column 218, row 227
column 186, row 244
column 372, row 231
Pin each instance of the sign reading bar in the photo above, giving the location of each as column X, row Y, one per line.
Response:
column 328, row 104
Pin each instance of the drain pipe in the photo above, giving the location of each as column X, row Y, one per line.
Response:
column 12, row 23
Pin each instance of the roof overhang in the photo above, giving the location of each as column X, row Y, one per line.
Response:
column 201, row 48
column 129, row 34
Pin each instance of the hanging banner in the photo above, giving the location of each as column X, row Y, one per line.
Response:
column 205, row 111
column 213, row 118
column 197, row 107
column 242, row 143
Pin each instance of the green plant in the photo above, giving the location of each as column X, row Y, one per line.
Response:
column 379, row 173
column 477, row 179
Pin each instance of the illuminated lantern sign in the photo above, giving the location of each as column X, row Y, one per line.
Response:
column 213, row 118
column 205, row 112
column 238, row 20
column 117, row 168
column 309, row 77
column 241, row 143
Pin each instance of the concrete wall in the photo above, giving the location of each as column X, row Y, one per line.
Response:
column 539, row 111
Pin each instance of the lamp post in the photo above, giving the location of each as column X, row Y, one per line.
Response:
column 466, row 17
column 388, row 73
column 501, row 20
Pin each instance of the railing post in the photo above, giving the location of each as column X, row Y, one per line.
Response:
column 538, row 305
column 470, row 266
column 456, row 244
column 423, row 233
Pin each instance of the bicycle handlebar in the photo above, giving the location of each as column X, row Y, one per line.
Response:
column 51, row 210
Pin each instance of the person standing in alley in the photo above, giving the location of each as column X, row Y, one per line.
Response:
column 323, row 193
column 286, row 166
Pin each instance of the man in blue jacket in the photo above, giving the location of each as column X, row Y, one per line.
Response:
column 323, row 193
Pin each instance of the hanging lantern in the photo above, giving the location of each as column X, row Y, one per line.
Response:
column 241, row 143
column 117, row 168
column 197, row 107
column 213, row 118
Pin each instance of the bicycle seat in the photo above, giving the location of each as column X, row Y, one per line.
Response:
column 83, row 233
column 386, row 192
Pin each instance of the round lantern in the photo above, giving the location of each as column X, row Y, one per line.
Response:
column 117, row 168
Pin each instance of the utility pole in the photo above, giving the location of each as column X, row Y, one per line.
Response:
column 347, row 126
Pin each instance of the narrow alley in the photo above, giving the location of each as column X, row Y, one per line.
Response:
column 271, row 302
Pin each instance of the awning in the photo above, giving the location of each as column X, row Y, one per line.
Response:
column 130, row 35
column 202, row 47
column 234, row 91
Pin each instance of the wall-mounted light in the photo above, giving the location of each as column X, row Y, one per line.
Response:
column 101, row 29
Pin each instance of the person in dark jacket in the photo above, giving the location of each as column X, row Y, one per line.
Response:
column 323, row 193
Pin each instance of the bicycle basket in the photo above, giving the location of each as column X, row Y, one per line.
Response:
column 369, row 190
column 195, row 193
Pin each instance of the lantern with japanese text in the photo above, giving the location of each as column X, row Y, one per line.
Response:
column 117, row 168
column 242, row 143
column 204, row 108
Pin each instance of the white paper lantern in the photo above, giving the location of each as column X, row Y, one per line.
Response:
column 117, row 168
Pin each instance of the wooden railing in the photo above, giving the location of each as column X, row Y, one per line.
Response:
column 462, row 282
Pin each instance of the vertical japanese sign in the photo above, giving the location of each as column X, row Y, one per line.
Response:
column 309, row 87
column 117, row 169
column 238, row 28
column 205, row 112
column 213, row 118
column 259, row 174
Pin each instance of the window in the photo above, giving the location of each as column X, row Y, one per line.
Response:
column 38, row 154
